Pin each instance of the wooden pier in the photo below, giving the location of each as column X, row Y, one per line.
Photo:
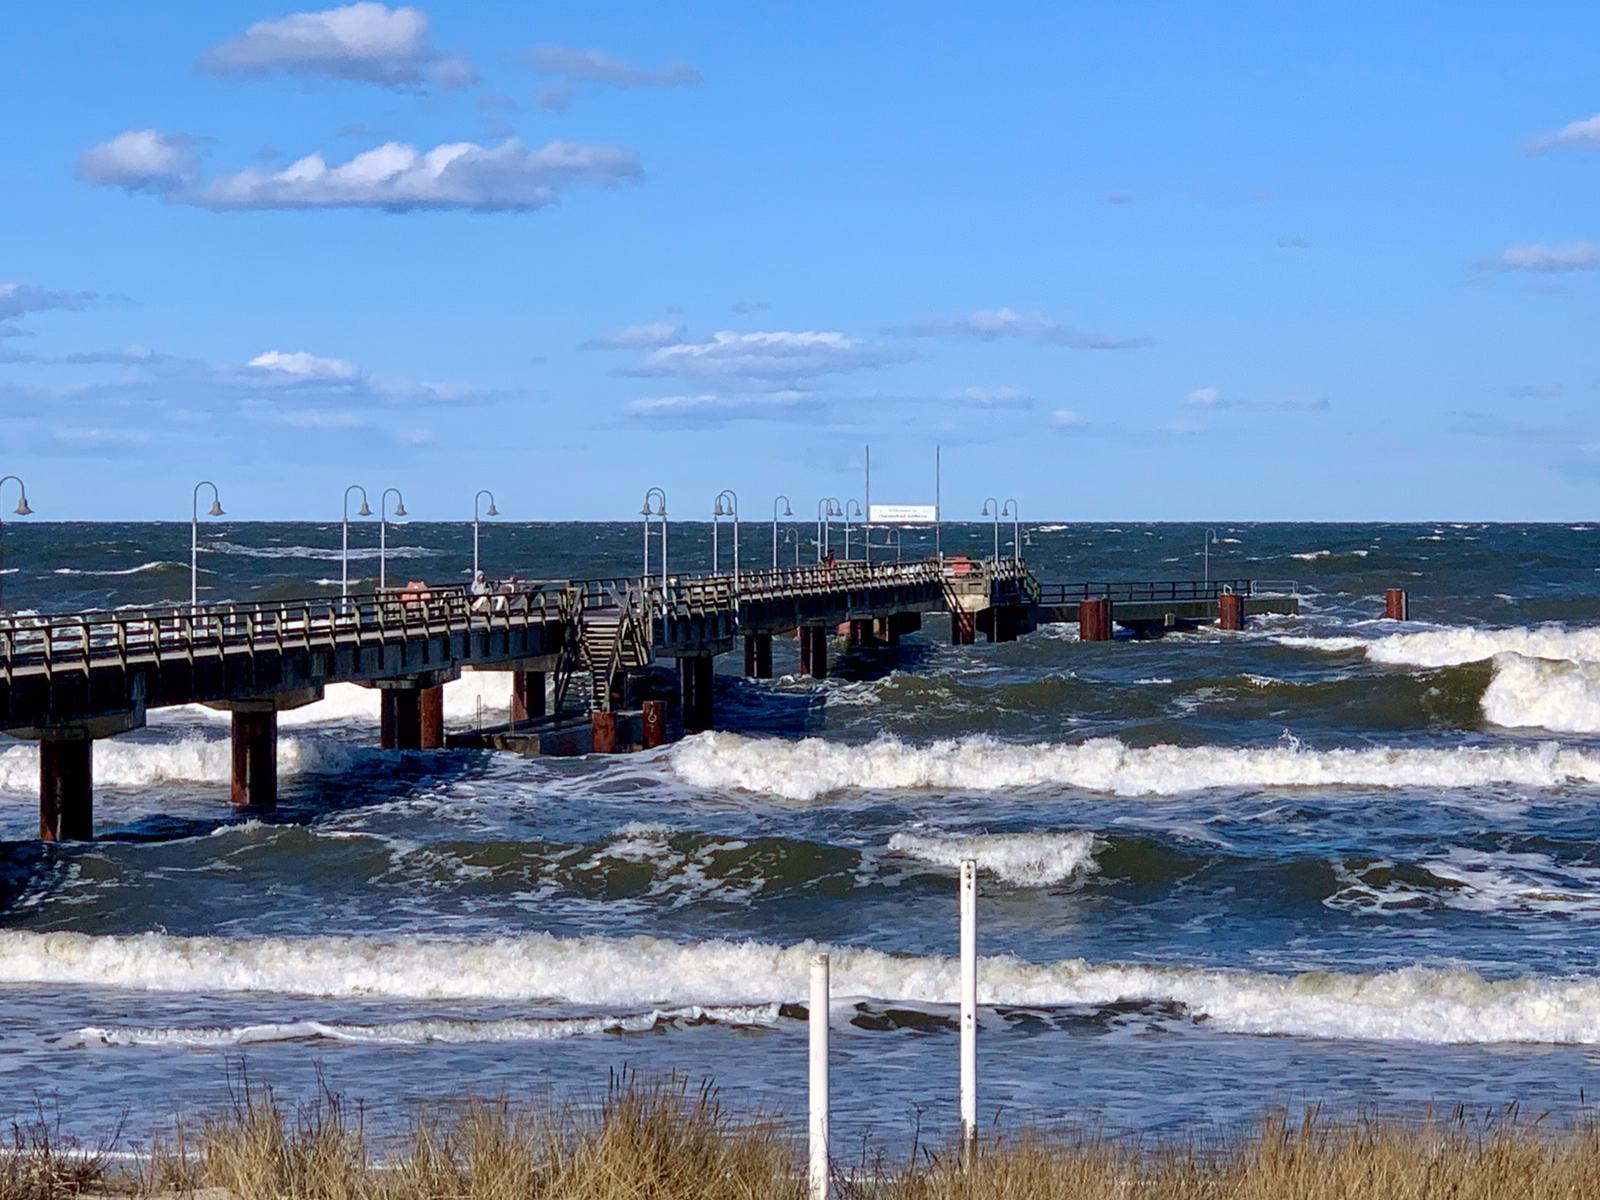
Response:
column 67, row 680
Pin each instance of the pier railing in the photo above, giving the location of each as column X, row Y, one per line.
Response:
column 1135, row 592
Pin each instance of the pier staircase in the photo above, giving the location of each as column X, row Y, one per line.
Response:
column 613, row 639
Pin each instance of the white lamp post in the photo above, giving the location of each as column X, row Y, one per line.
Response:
column 1011, row 510
column 22, row 510
column 849, row 504
column 995, row 513
column 788, row 512
column 383, row 533
column 344, row 554
column 730, row 509
column 659, row 496
column 1205, row 552
column 491, row 511
column 194, row 535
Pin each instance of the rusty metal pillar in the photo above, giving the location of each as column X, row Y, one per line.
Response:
column 1094, row 620
column 695, row 672
column 1230, row 611
column 758, row 655
column 603, row 727
column 814, row 651
column 66, row 789
column 861, row 632
column 527, row 696
column 432, row 715
column 1396, row 605
column 400, row 717
column 654, row 720
column 963, row 628
column 255, row 759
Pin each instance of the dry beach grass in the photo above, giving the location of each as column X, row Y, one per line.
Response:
column 665, row 1140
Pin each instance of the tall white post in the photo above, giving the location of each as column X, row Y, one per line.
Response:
column 969, row 1007
column 818, row 1173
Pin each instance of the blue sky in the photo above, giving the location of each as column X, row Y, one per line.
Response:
column 1122, row 262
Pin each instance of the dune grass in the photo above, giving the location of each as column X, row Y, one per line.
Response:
column 667, row 1140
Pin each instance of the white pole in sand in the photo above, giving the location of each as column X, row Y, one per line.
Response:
column 969, row 1008
column 819, row 1174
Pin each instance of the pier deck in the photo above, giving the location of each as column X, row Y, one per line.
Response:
column 68, row 679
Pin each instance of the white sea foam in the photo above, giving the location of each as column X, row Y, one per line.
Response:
column 418, row 1032
column 196, row 760
column 141, row 569
column 1560, row 696
column 353, row 704
column 1455, row 645
column 1024, row 859
column 812, row 768
column 1413, row 1004
column 317, row 553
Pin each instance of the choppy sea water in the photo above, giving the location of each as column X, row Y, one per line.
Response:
column 1334, row 858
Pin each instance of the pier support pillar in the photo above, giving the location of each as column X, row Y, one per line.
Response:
column 1396, row 605
column 758, row 655
column 527, row 696
column 400, row 718
column 432, row 716
column 66, row 788
column 1230, row 611
column 861, row 632
column 814, row 651
column 963, row 628
column 695, row 674
column 603, row 728
column 654, row 721
column 255, row 758
column 1094, row 620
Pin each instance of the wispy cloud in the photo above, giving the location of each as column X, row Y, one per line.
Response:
column 1581, row 135
column 1292, row 242
column 394, row 177
column 1538, row 257
column 299, row 365
column 993, row 398
column 634, row 337
column 715, row 408
column 1068, row 418
column 780, row 355
column 571, row 66
column 1213, row 398
column 996, row 323
column 21, row 299
column 366, row 42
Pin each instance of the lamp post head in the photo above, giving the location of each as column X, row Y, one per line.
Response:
column 985, row 511
column 787, row 511
column 719, row 511
column 493, row 511
column 364, row 510
column 645, row 511
column 215, row 510
column 22, row 509
column 400, row 508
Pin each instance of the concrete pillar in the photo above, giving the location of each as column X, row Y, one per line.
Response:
column 1094, row 620
column 655, row 724
column 432, row 734
column 527, row 696
column 1396, row 605
column 963, row 628
column 814, row 651
column 66, row 789
column 255, row 759
column 1230, row 611
column 400, row 716
column 861, row 632
column 695, row 673
column 603, row 726
column 758, row 655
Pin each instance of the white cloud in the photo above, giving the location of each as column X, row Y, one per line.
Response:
column 142, row 160
column 20, row 299
column 1204, row 397
column 1213, row 398
column 395, row 177
column 995, row 323
column 1584, row 135
column 774, row 355
column 593, row 66
column 1067, row 418
column 367, row 42
column 1571, row 256
column 634, row 337
column 708, row 408
column 993, row 397
column 300, row 365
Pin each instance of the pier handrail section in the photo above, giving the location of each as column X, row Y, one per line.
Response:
column 1177, row 590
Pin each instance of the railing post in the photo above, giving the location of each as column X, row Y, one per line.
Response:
column 969, row 1009
column 819, row 1174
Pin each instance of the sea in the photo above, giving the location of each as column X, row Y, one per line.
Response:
column 1333, row 859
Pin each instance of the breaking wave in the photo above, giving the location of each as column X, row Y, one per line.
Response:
column 1024, row 859
column 1412, row 1004
column 196, row 760
column 1562, row 696
column 352, row 703
column 421, row 1032
column 1464, row 644
column 812, row 768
